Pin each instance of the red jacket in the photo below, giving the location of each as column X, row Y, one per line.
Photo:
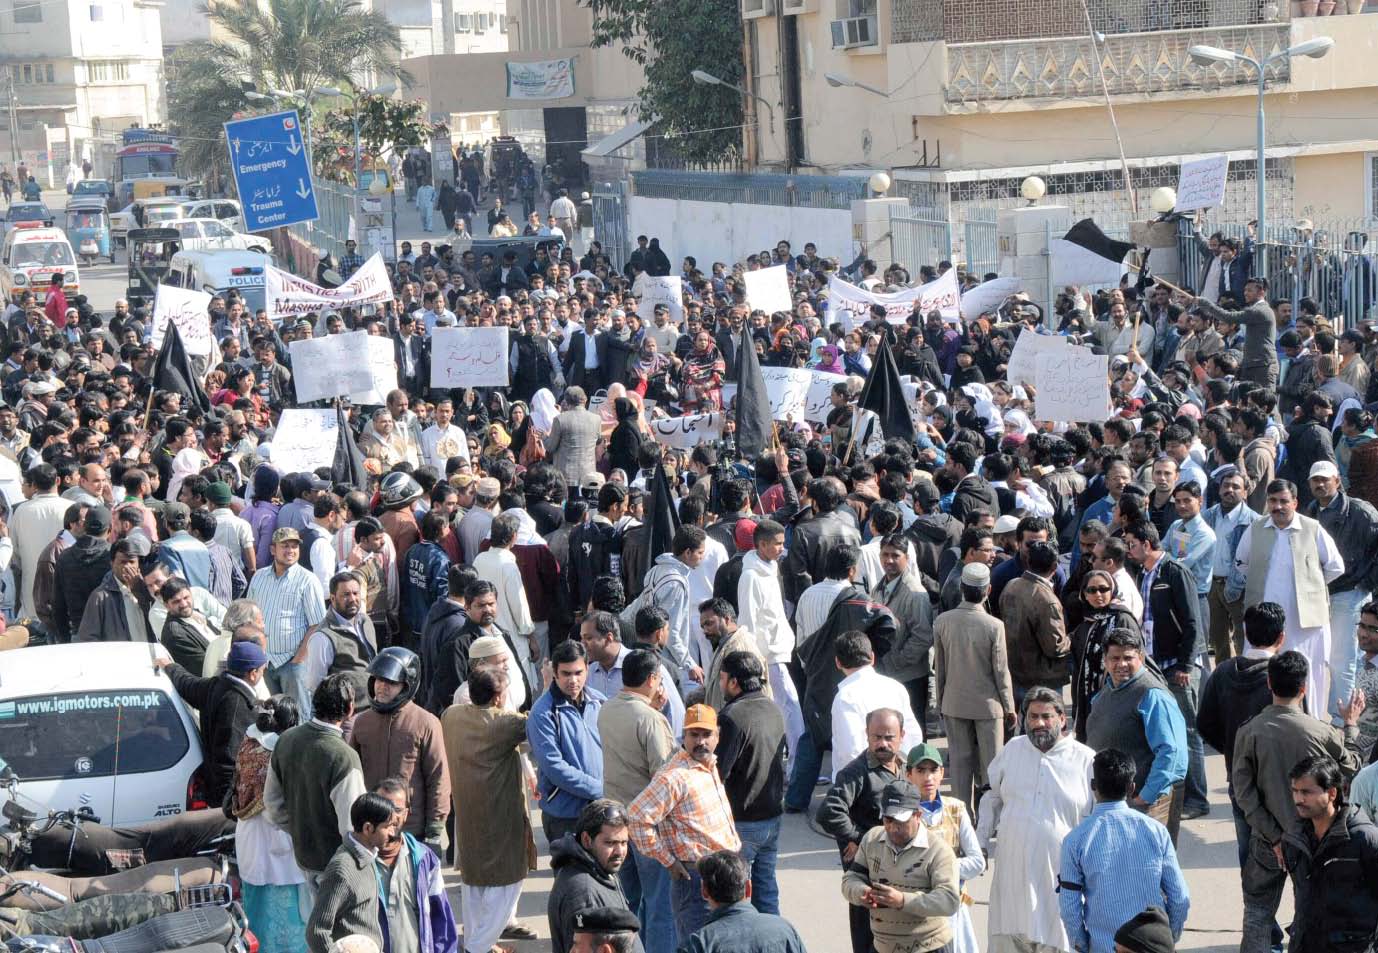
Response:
column 56, row 307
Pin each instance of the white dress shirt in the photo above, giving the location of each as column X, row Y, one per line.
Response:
column 859, row 694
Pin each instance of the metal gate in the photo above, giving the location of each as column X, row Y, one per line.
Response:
column 918, row 241
column 981, row 248
column 610, row 221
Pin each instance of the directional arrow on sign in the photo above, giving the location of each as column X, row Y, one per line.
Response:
column 293, row 146
column 303, row 189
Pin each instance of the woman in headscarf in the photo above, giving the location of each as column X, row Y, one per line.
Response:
column 519, row 419
column 624, row 447
column 447, row 201
column 702, row 377
column 647, row 374
column 1104, row 611
column 499, row 442
column 608, row 409
column 188, row 462
column 470, row 413
column 815, row 352
column 497, row 407
column 828, row 360
column 854, row 357
column 1018, row 422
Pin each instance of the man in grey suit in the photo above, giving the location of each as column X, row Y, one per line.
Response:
column 901, row 591
column 973, row 678
column 1260, row 360
column 574, row 437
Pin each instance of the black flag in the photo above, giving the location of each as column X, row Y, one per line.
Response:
column 754, row 419
column 348, row 466
column 1088, row 235
column 172, row 371
column 884, row 395
column 664, row 517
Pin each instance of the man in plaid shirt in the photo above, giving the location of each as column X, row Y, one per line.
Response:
column 683, row 815
column 351, row 261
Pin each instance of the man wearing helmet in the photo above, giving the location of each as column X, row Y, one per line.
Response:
column 397, row 738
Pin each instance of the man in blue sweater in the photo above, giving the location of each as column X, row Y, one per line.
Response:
column 563, row 732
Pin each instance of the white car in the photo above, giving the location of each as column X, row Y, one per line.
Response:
column 225, row 210
column 208, row 234
column 157, row 213
column 67, row 712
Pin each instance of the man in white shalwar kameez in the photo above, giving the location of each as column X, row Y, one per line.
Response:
column 1293, row 572
column 1040, row 788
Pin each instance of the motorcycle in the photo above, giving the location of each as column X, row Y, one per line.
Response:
column 47, row 891
column 199, row 929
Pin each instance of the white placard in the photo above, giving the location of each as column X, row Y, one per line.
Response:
column 304, row 440
column 685, row 433
column 1071, row 264
column 382, row 366
column 795, row 393
column 988, row 296
column 290, row 296
column 666, row 290
column 333, row 366
column 1073, row 385
column 1023, row 362
column 189, row 309
column 851, row 305
column 469, row 357
column 1201, row 183
column 768, row 290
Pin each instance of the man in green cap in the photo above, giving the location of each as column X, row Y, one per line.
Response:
column 232, row 532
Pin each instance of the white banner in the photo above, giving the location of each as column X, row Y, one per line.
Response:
column 1201, row 183
column 1071, row 264
column 290, row 296
column 1073, row 385
column 469, row 357
column 988, row 296
column 304, row 440
column 187, row 307
column 685, row 433
column 852, row 305
column 795, row 393
column 1023, row 363
column 768, row 290
column 333, row 366
column 546, row 79
column 382, row 366
column 666, row 290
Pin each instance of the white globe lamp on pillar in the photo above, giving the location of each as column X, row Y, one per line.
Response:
column 879, row 183
column 1163, row 200
column 1032, row 189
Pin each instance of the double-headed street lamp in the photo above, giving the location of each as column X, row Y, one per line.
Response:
column 1210, row 55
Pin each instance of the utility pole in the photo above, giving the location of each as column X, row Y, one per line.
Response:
column 13, row 115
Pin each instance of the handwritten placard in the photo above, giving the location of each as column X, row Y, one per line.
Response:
column 667, row 290
column 1073, row 385
column 189, row 309
column 988, row 296
column 469, row 357
column 1023, row 363
column 795, row 393
column 333, row 366
column 1201, row 183
column 685, row 433
column 382, row 365
column 768, row 290
column 304, row 440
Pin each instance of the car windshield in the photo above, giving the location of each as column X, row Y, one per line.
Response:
column 43, row 253
column 27, row 213
column 93, row 219
column 90, row 188
column 80, row 734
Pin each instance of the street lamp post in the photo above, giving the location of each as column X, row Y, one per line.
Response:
column 842, row 79
column 1210, row 55
column 708, row 79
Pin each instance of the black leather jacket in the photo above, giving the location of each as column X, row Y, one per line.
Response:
column 852, row 611
column 809, row 546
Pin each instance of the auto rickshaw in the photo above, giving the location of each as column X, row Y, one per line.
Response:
column 88, row 229
column 150, row 254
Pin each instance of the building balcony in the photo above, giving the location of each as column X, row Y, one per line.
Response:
column 1133, row 64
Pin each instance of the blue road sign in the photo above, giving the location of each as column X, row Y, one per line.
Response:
column 271, row 171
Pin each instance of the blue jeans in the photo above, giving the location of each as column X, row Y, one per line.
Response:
column 761, row 849
column 647, row 886
column 1188, row 698
column 1344, row 646
column 803, row 773
column 289, row 679
column 686, row 899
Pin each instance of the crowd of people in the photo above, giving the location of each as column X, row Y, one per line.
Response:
column 524, row 599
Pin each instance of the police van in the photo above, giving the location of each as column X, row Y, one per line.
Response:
column 221, row 270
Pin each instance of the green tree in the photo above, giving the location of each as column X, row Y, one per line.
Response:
column 384, row 123
column 295, row 45
column 670, row 38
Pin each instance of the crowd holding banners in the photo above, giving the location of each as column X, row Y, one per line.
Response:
column 521, row 538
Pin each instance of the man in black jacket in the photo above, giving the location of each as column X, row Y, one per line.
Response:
column 973, row 491
column 586, row 862
column 577, row 368
column 1173, row 614
column 832, row 526
column 1308, row 442
column 751, row 762
column 933, row 532
column 80, row 569
column 227, row 703
column 445, row 624
column 852, row 805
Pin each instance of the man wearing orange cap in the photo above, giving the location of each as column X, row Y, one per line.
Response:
column 683, row 815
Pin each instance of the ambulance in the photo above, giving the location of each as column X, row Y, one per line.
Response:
column 29, row 257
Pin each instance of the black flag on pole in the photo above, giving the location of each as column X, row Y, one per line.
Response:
column 172, row 371
column 1088, row 235
column 884, row 395
column 348, row 466
column 754, row 419
column 664, row 517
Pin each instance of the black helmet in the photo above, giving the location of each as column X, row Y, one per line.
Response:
column 395, row 665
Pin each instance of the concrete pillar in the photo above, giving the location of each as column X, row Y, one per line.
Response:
column 871, row 227
column 1022, row 235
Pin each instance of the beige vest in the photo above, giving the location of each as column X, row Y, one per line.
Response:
column 1313, row 598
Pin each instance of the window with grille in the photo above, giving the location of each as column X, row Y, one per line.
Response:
column 464, row 23
column 28, row 12
column 106, row 71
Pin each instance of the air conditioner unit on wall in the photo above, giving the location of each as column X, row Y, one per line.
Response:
column 796, row 7
column 853, row 32
column 754, row 9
